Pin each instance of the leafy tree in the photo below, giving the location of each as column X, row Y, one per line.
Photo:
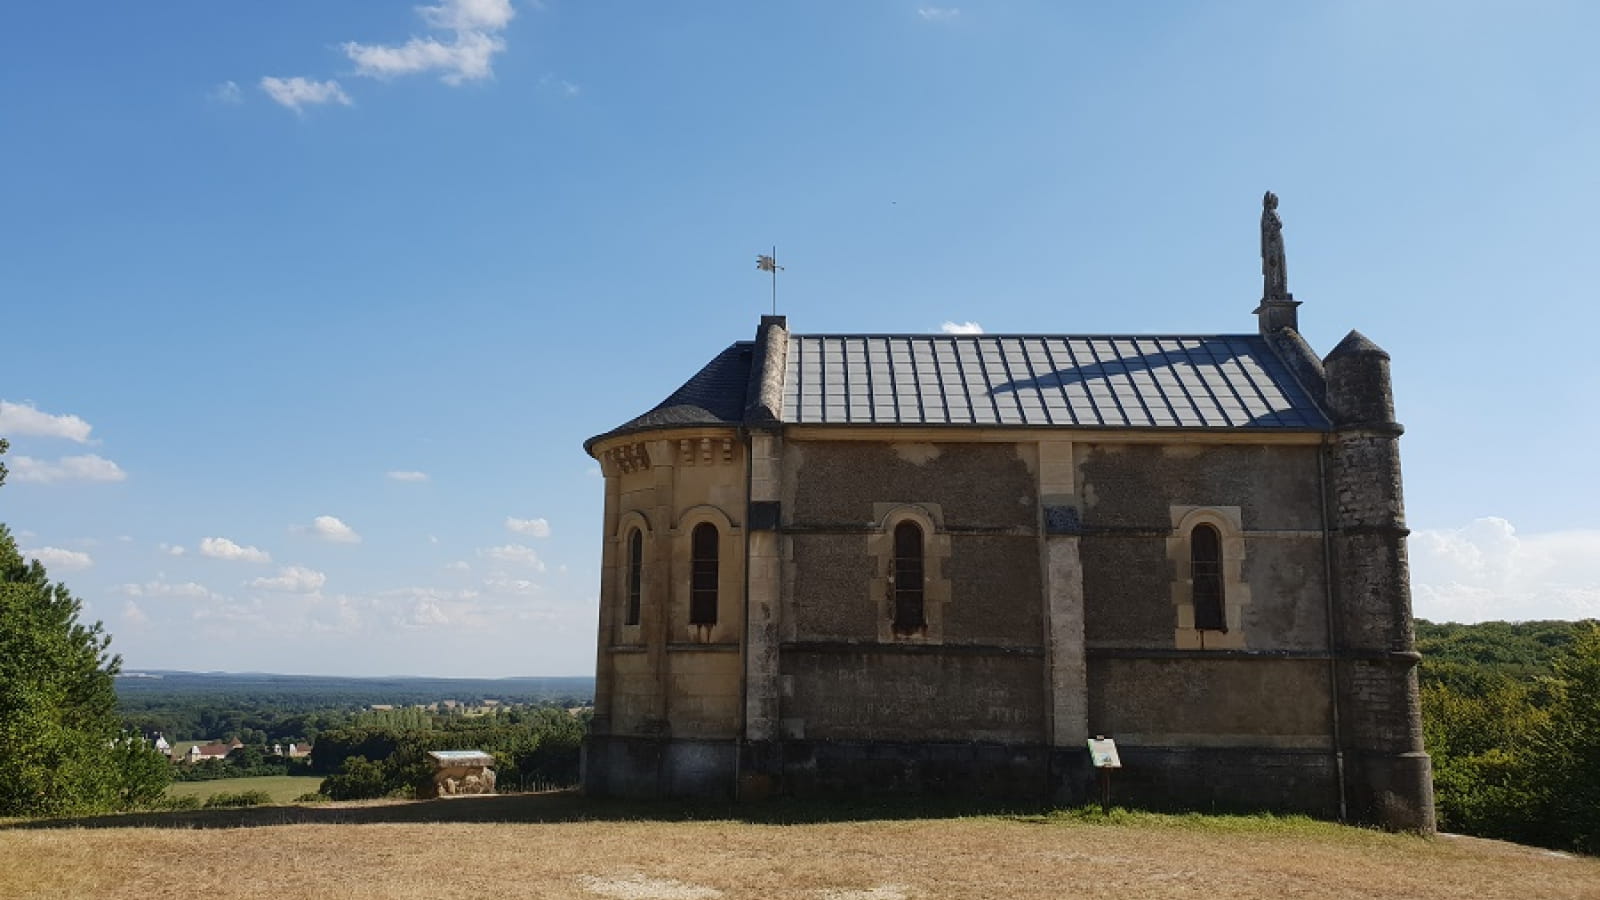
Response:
column 358, row 779
column 1566, row 754
column 62, row 748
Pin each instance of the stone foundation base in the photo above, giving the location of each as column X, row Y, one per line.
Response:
column 645, row 768
column 1390, row 791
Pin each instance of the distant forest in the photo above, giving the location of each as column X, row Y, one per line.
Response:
column 1511, row 717
column 264, row 708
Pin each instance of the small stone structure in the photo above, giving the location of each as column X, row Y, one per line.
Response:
column 461, row 772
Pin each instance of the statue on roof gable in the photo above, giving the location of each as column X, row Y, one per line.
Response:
column 1274, row 267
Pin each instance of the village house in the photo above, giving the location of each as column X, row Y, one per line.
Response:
column 875, row 562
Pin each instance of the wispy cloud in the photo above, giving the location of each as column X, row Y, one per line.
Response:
column 560, row 85
column 222, row 548
column 513, row 553
column 88, row 467
column 961, row 328
column 158, row 588
column 57, row 558
column 939, row 13
column 297, row 93
column 406, row 476
column 532, row 527
column 329, row 528
column 292, row 579
column 472, row 39
column 173, row 549
column 26, row 420
column 1487, row 570
column 227, row 92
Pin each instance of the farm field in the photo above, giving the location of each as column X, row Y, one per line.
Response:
column 283, row 788
column 560, row 845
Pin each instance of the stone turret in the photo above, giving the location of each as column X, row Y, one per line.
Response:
column 1387, row 775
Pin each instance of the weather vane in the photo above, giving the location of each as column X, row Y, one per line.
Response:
column 770, row 264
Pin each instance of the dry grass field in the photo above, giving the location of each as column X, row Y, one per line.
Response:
column 564, row 846
column 283, row 788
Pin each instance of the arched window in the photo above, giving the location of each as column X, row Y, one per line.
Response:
column 906, row 578
column 1205, row 570
column 635, row 575
column 703, row 575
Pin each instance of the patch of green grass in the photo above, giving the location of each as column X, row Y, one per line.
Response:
column 281, row 788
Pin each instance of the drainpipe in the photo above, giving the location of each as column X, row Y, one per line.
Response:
column 1327, row 587
column 744, row 621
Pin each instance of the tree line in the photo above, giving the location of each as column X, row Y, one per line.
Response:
column 1511, row 717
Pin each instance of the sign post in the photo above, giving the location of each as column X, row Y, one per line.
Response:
column 1103, row 753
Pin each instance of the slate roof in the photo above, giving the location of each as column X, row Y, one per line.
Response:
column 714, row 396
column 1119, row 381
column 1110, row 381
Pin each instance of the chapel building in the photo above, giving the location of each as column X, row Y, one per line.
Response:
column 941, row 563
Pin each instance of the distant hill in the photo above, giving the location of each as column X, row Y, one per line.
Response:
column 144, row 686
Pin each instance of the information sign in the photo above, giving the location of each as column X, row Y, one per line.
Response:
column 1103, row 751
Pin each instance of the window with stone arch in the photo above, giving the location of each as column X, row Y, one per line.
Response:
column 1206, row 549
column 635, row 575
column 1208, row 591
column 907, row 575
column 703, row 574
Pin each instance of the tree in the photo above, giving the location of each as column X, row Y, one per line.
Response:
column 62, row 749
column 1567, row 751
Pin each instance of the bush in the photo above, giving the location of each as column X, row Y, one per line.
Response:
column 358, row 779
column 312, row 797
column 241, row 798
column 172, row 804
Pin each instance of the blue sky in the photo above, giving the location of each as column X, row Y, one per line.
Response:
column 258, row 257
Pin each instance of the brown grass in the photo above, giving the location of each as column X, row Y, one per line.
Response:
column 562, row 846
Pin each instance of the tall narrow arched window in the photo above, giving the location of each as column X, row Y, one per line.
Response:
column 907, row 578
column 635, row 575
column 703, row 575
column 1205, row 570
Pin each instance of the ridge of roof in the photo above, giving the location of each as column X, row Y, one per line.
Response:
column 1118, row 335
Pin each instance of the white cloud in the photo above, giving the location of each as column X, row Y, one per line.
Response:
column 468, row 58
column 298, row 92
column 518, row 586
column 173, row 549
column 538, row 528
column 124, row 538
column 459, row 565
column 961, row 328
column 939, row 13
column 513, row 553
column 1487, row 571
column 469, row 15
column 561, row 85
column 24, row 419
column 293, row 579
column 406, row 476
column 227, row 92
column 467, row 55
column 222, row 548
column 166, row 589
column 57, row 558
column 88, row 467
column 132, row 614
column 330, row 529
